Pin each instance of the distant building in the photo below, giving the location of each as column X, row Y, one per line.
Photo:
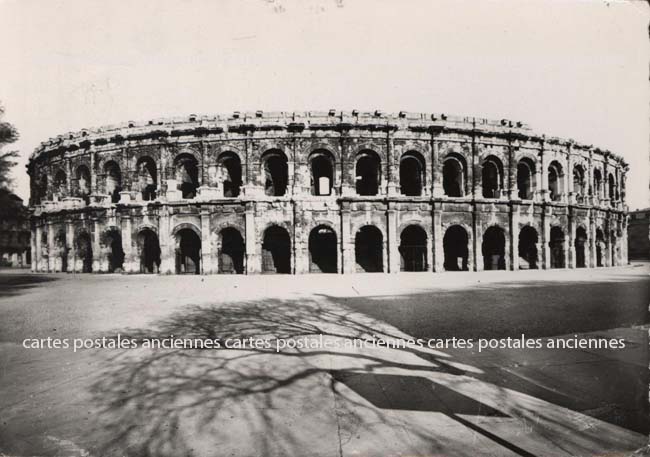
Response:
column 638, row 235
column 15, row 234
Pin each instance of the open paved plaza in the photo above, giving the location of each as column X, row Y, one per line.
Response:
column 330, row 399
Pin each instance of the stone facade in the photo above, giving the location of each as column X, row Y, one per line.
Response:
column 14, row 231
column 638, row 235
column 333, row 192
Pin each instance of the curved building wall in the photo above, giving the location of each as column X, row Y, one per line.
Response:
column 323, row 192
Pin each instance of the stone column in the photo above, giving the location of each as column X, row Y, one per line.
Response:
column 437, row 190
column 393, row 239
column 347, row 242
column 477, row 239
column 206, row 244
column 546, row 237
column 252, row 255
column 33, row 237
column 51, row 259
column 570, row 245
column 167, row 243
column 512, row 170
column 392, row 166
column 514, row 236
column 543, row 185
column 71, row 245
column 438, row 235
column 131, row 264
column 592, row 241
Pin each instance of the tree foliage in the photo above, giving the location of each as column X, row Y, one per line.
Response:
column 8, row 135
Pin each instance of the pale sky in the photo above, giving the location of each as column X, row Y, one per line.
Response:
column 569, row 68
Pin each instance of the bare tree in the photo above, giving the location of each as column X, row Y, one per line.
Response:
column 8, row 135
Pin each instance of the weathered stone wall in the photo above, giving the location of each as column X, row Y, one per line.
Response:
column 572, row 195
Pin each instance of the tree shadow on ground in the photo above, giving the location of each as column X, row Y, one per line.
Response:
column 261, row 402
column 12, row 284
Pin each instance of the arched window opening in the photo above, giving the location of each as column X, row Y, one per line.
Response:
column 525, row 179
column 276, row 251
column 60, row 184
column 494, row 248
column 276, row 173
column 413, row 249
column 455, row 247
column 188, row 252
column 612, row 187
column 41, row 190
column 601, row 246
column 580, row 246
column 322, row 250
column 557, row 248
column 492, row 177
column 527, row 248
column 411, row 174
column 187, row 174
column 83, row 183
column 232, row 249
column 598, row 183
column 85, row 252
column 147, row 177
column 321, row 167
column 115, row 254
column 579, row 181
column 368, row 173
column 453, row 176
column 149, row 251
column 555, row 176
column 368, row 250
column 113, row 180
column 231, row 174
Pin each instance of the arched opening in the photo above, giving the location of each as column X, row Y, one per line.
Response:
column 113, row 177
column 149, row 251
column 494, row 248
column 231, row 254
column 527, row 248
column 492, row 177
column 412, row 174
column 525, row 179
column 62, row 249
column 276, row 250
column 598, row 183
column 83, row 182
column 188, row 252
column 60, row 184
column 413, row 249
column 276, row 173
column 453, row 175
column 321, row 167
column 601, row 245
column 85, row 252
column 41, row 190
column 115, row 255
column 369, row 250
column 147, row 177
column 322, row 250
column 455, row 247
column 612, row 188
column 555, row 176
column 557, row 248
column 230, row 170
column 580, row 243
column 579, row 180
column 368, row 173
column 187, row 175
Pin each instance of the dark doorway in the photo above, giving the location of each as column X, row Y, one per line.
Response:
column 188, row 252
column 525, row 174
column 455, row 248
column 322, row 250
column 411, row 174
column 368, row 250
column 276, row 251
column 113, row 241
column 230, row 166
column 149, row 248
column 494, row 248
column 85, row 252
column 492, row 177
column 413, row 249
column 147, row 176
column 368, row 173
column 600, row 248
column 321, row 165
column 557, row 248
column 527, row 248
column 187, row 175
column 231, row 256
column 453, row 173
column 62, row 246
column 580, row 243
column 113, row 180
column 276, row 173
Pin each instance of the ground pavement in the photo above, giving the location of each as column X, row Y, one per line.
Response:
column 328, row 400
